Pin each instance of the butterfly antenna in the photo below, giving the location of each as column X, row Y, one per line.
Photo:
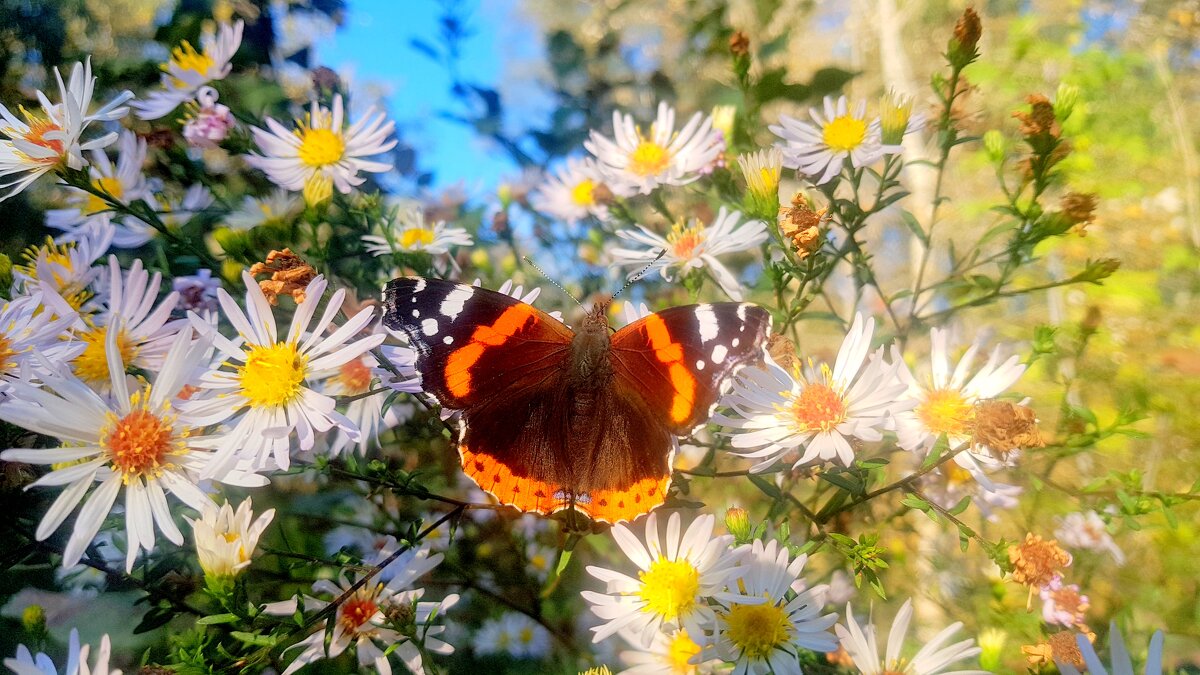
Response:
column 547, row 278
column 633, row 279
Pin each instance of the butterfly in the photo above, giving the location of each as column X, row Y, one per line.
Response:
column 554, row 419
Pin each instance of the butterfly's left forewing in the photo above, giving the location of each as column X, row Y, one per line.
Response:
column 680, row 359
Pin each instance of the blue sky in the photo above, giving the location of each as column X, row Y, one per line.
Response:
column 374, row 44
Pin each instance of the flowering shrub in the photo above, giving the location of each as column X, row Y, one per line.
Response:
column 203, row 329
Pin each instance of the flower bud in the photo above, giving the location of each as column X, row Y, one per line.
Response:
column 33, row 620
column 722, row 120
column 895, row 111
column 991, row 642
column 1065, row 100
column 737, row 522
column 962, row 49
column 226, row 539
column 994, row 145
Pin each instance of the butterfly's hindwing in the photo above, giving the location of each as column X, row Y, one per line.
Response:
column 680, row 359
column 473, row 343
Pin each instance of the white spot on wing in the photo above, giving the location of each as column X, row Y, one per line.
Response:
column 708, row 322
column 416, row 313
column 452, row 306
column 736, row 342
column 420, row 285
column 449, row 339
column 700, row 365
column 718, row 354
column 429, row 326
column 742, row 311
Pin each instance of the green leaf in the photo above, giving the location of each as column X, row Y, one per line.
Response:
column 910, row 221
column 960, row 506
column 254, row 638
column 915, row 502
column 767, row 487
column 848, row 483
column 215, row 619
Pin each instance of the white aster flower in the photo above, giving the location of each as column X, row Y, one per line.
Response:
column 949, row 483
column 321, row 153
column 513, row 634
column 355, row 378
column 362, row 619
column 264, row 388
column 571, row 193
column 188, row 70
column 145, row 332
column 1087, row 530
column 934, row 657
column 133, row 439
column 31, row 324
column 945, row 399
column 407, row 232
column 764, row 632
column 638, row 162
column 1121, row 662
column 674, row 653
column 64, row 269
column 692, row 247
column 677, row 576
column 173, row 210
column 26, row 663
column 541, row 560
column 276, row 207
column 51, row 137
column 197, row 292
column 897, row 120
column 124, row 182
column 226, row 539
column 818, row 149
column 816, row 407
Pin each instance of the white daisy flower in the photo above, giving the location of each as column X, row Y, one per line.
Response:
column 131, row 439
column 541, row 560
column 513, row 634
column 934, row 657
column 174, row 211
column 570, row 194
column 35, row 323
column 188, row 70
column 124, row 182
column 226, row 539
column 818, row 149
column 816, row 407
column 321, row 153
column 64, row 269
column 25, row 663
column 51, row 137
column 264, row 388
column 897, row 120
column 764, row 633
column 355, row 378
column 674, row 653
column 945, row 399
column 1120, row 661
column 949, row 483
column 678, row 575
column 693, row 247
column 636, row 162
column 407, row 232
column 276, row 207
column 362, row 619
column 1087, row 530
column 145, row 332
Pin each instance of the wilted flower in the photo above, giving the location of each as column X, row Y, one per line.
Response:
column 1063, row 604
column 209, row 123
column 1002, row 427
column 1036, row 561
column 800, row 225
column 290, row 275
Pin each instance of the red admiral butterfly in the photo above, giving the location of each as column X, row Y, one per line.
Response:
column 554, row 419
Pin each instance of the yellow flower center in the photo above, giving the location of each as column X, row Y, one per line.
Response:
column 273, row 374
column 58, row 258
column 956, row 475
column 583, row 194
column 525, row 636
column 185, row 57
column 354, row 376
column 107, row 185
column 358, row 610
column 757, row 630
column 320, row 147
column 845, row 133
column 416, row 236
column 649, row 159
column 818, row 408
column 680, row 652
column 141, row 442
column 6, row 354
column 945, row 411
column 669, row 588
column 92, row 364
column 685, row 240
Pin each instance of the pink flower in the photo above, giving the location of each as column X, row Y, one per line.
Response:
column 1063, row 604
column 210, row 123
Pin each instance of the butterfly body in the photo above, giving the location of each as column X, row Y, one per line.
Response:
column 553, row 419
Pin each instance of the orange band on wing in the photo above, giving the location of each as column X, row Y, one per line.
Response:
column 670, row 353
column 535, row 496
column 458, row 365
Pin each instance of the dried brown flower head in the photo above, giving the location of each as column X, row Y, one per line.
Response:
column 782, row 350
column 739, row 44
column 1003, row 427
column 1035, row 561
column 800, row 224
column 968, row 29
column 1060, row 646
column 1039, row 120
column 1079, row 208
column 289, row 275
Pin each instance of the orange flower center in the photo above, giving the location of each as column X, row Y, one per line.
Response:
column 945, row 411
column 38, row 128
column 819, row 408
column 358, row 610
column 685, row 240
column 138, row 443
column 355, row 377
column 6, row 354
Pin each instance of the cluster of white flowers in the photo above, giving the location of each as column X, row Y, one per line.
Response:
column 698, row 601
